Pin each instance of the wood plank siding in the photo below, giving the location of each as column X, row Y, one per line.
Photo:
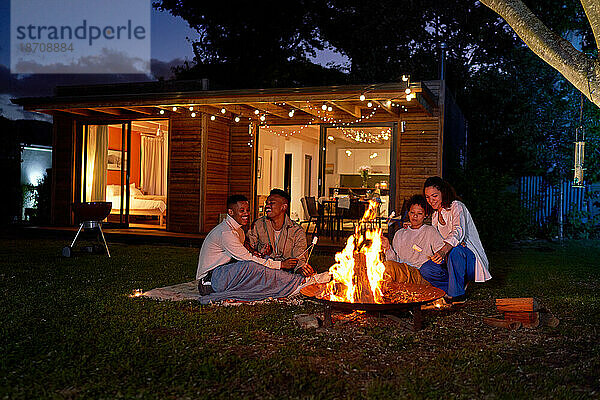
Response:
column 63, row 170
column 217, row 172
column 419, row 148
column 184, row 190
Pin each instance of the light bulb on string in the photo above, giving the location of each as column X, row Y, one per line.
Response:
column 369, row 104
column 362, row 97
column 193, row 115
column 256, row 112
column 212, row 117
column 174, row 108
column 291, row 113
column 191, row 108
column 236, row 119
column 223, row 110
column 324, row 107
column 161, row 112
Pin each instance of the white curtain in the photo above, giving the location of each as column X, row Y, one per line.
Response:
column 97, row 154
column 154, row 158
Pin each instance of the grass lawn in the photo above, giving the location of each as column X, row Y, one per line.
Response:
column 69, row 330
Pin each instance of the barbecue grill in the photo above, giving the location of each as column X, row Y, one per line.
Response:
column 91, row 215
column 427, row 294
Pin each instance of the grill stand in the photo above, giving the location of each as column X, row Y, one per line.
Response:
column 86, row 225
column 415, row 309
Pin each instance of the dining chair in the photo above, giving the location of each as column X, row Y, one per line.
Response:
column 309, row 205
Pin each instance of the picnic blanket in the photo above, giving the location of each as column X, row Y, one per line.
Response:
column 249, row 281
column 189, row 291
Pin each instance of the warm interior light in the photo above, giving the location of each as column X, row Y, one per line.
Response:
column 348, row 153
column 237, row 119
column 223, row 110
column 262, row 118
column 329, row 108
column 362, row 97
column 212, row 117
column 369, row 104
column 407, row 91
column 193, row 114
column 161, row 112
column 330, row 138
column 291, row 113
column 404, row 78
column 373, row 155
column 324, row 107
column 256, row 112
column 191, row 108
column 174, row 108
column 389, row 103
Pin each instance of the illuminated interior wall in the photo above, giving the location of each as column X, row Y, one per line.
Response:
column 114, row 143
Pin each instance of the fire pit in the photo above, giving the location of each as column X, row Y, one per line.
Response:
column 409, row 298
column 360, row 282
column 90, row 215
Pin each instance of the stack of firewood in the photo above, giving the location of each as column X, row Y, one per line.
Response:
column 523, row 312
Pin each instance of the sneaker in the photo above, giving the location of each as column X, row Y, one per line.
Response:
column 204, row 288
column 457, row 299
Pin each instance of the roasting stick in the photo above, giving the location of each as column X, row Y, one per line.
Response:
column 310, row 249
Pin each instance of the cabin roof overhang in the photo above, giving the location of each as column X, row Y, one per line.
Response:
column 322, row 103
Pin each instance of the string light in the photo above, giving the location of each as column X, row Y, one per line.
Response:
column 161, row 112
column 174, row 108
column 256, row 112
column 362, row 97
column 405, row 78
column 360, row 136
column 212, row 117
column 262, row 118
column 324, row 107
column 193, row 114
column 329, row 108
column 291, row 113
column 223, row 110
column 369, row 104
column 191, row 108
column 236, row 119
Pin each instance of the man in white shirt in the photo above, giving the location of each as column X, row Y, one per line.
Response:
column 227, row 270
column 409, row 256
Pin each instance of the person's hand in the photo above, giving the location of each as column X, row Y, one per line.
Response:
column 290, row 263
column 306, row 270
column 385, row 243
column 437, row 257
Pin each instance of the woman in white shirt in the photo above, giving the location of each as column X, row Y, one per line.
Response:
column 462, row 250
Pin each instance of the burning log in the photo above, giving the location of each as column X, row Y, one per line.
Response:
column 362, row 287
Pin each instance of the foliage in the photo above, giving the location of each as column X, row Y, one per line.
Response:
column 494, row 205
column 583, row 224
column 68, row 330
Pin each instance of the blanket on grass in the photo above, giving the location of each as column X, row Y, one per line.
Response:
column 189, row 291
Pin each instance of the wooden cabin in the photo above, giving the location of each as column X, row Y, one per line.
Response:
column 177, row 151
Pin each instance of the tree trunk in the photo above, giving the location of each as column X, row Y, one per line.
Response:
column 559, row 53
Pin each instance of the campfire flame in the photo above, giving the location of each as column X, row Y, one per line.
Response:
column 137, row 293
column 357, row 275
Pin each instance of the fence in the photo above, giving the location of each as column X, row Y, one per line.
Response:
column 542, row 200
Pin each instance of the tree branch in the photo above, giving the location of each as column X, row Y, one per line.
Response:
column 592, row 11
column 581, row 71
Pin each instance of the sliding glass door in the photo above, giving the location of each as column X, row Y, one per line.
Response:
column 105, row 168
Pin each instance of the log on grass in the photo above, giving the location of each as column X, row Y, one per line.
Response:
column 502, row 323
column 522, row 304
column 527, row 319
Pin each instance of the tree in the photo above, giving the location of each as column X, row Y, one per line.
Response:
column 582, row 71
